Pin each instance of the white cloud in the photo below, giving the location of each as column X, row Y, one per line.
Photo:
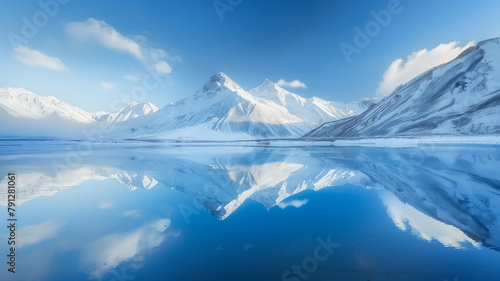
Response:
column 400, row 72
column 132, row 213
column 162, row 67
column 107, row 205
column 32, row 234
column 132, row 77
column 35, row 58
column 293, row 84
column 293, row 203
column 107, row 36
column 107, row 85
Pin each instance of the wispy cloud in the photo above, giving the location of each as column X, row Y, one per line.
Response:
column 132, row 77
column 292, row 84
column 35, row 58
column 107, row 205
column 400, row 72
column 106, row 35
column 132, row 213
column 162, row 67
column 293, row 203
column 107, row 85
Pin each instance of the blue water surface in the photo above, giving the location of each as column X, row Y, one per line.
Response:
column 166, row 212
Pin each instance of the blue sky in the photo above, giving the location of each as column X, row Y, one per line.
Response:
column 89, row 53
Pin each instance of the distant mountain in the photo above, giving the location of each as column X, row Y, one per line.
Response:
column 27, row 115
column 19, row 102
column 461, row 97
column 362, row 105
column 314, row 111
column 130, row 111
column 221, row 109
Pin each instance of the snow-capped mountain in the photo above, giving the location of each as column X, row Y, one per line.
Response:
column 461, row 97
column 19, row 102
column 98, row 114
column 27, row 115
column 314, row 111
column 221, row 109
column 130, row 111
column 360, row 106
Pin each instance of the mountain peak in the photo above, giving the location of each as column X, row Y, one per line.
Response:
column 221, row 77
column 218, row 81
column 495, row 40
column 438, row 102
column 132, row 103
column 268, row 84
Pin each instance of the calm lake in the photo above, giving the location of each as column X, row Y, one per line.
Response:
column 167, row 212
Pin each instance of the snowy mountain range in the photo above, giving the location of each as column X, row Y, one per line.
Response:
column 19, row 102
column 220, row 110
column 130, row 111
column 313, row 110
column 220, row 107
column 461, row 97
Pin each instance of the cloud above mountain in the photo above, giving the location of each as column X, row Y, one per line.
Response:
column 400, row 71
column 102, row 33
column 107, row 85
column 35, row 58
column 292, row 84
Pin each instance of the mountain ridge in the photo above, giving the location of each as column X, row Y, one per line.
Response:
column 461, row 97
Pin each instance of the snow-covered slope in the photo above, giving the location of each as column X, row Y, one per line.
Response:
column 220, row 110
column 461, row 97
column 19, row 102
column 28, row 115
column 221, row 106
column 131, row 111
column 362, row 105
column 313, row 110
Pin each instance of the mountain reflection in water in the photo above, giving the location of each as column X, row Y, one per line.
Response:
column 447, row 194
